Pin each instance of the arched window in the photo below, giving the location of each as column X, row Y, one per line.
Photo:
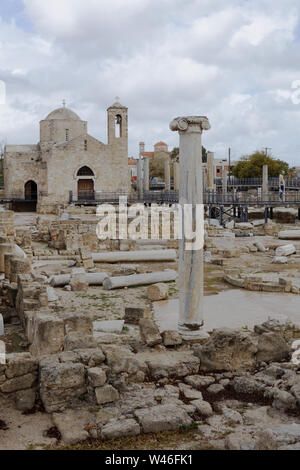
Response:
column 118, row 126
column 85, row 171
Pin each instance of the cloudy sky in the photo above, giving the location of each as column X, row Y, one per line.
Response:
column 232, row 61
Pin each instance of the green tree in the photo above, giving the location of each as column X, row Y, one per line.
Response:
column 250, row 166
column 175, row 154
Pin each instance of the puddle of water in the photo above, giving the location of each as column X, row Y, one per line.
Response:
column 233, row 309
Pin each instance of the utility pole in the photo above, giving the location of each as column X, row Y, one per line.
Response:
column 266, row 149
column 229, row 162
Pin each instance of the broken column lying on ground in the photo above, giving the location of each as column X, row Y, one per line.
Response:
column 190, row 192
column 139, row 279
column 147, row 255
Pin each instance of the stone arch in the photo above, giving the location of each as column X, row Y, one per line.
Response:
column 85, row 171
column 31, row 191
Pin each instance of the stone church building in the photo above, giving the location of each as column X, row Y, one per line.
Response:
column 68, row 162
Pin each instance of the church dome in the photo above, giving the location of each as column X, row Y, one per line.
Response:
column 63, row 114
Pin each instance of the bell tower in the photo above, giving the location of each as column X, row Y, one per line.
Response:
column 118, row 126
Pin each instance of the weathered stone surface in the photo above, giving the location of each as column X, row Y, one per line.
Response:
column 289, row 235
column 117, row 428
column 61, row 384
column 97, row 377
column 133, row 315
column 109, row 326
column 171, row 363
column 18, row 383
column 232, row 416
column 162, row 418
column 271, row 347
column 248, row 385
column 171, row 338
column 90, row 357
column 199, row 381
column 279, row 260
column 71, row 425
column 227, row 350
column 158, row 291
column 189, row 393
column 149, row 332
column 25, row 399
column 285, row 250
column 120, row 359
column 48, row 334
column 74, row 341
column 78, row 323
column 20, row 364
column 214, row 389
column 203, row 407
column 283, row 400
column 106, row 394
column 273, row 438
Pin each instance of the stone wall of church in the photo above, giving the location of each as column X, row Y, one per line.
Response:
column 108, row 163
column 55, row 130
column 19, row 168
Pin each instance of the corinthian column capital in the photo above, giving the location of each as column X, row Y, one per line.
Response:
column 190, row 124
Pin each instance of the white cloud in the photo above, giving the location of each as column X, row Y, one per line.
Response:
column 233, row 61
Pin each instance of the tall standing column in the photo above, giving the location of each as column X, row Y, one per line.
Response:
column 176, row 175
column 140, row 178
column 167, row 175
column 210, row 176
column 191, row 274
column 224, row 181
column 265, row 183
column 146, row 174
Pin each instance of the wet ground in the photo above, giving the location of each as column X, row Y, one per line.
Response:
column 233, row 309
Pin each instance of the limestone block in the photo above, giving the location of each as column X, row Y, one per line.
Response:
column 20, row 364
column 48, row 334
column 74, row 341
column 78, row 323
column 97, row 377
column 120, row 359
column 158, row 291
column 170, row 363
column 25, row 399
column 276, row 437
column 285, row 250
column 228, row 349
column 78, row 281
column 171, row 338
column 203, row 407
column 106, row 394
column 134, row 314
column 117, row 428
column 149, row 332
column 60, row 384
column 162, row 418
column 18, row 383
column 109, row 326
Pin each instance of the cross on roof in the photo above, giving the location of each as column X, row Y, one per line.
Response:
column 64, row 103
